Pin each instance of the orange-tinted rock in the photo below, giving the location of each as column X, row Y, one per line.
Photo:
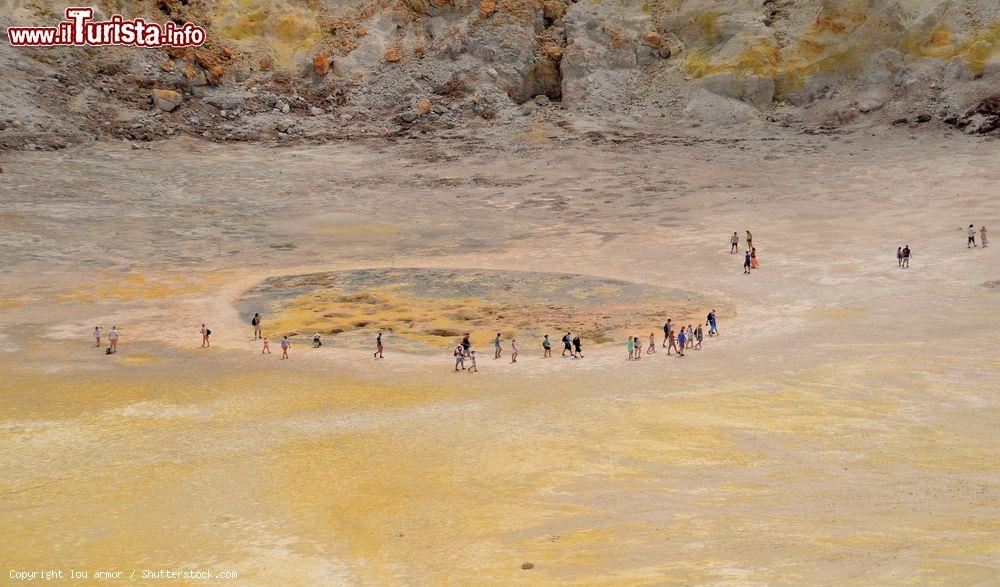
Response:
column 321, row 63
column 167, row 66
column 214, row 74
column 392, row 55
column 423, row 106
column 652, row 39
column 487, row 7
column 360, row 32
column 266, row 63
column 553, row 52
column 166, row 100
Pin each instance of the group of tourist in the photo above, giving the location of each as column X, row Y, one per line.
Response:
column 689, row 337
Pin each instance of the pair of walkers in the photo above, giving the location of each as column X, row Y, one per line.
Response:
column 983, row 240
column 112, row 339
column 903, row 257
column 461, row 354
column 571, row 343
column 285, row 345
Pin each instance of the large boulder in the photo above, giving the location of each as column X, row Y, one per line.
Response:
column 166, row 100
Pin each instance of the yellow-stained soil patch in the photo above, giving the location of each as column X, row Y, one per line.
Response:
column 430, row 308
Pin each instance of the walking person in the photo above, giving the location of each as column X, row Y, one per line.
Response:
column 577, row 346
column 97, row 336
column 681, row 340
column 734, row 243
column 899, row 256
column 690, row 338
column 513, row 350
column 285, row 345
column 546, row 348
column 982, row 236
column 205, row 333
column 652, row 344
column 753, row 259
column 630, row 345
column 746, row 263
column 378, row 346
column 472, row 357
column 316, row 341
column 699, row 335
column 667, row 328
column 906, row 257
column 496, row 346
column 255, row 322
column 713, row 328
column 466, row 344
column 113, row 340
column 672, row 342
column 459, row 353
column 638, row 348
column 266, row 349
column 749, row 240
column 566, row 344
column 972, row 238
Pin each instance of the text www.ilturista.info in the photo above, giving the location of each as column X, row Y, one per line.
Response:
column 79, row 30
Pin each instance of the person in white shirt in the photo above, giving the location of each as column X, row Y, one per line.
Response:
column 113, row 339
column 97, row 335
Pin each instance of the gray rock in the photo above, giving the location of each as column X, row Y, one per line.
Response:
column 409, row 116
column 285, row 108
column 866, row 106
column 315, row 111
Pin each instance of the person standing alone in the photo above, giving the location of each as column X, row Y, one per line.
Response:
column 734, row 243
column 113, row 339
column 256, row 326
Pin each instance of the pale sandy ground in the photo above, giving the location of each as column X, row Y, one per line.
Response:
column 844, row 428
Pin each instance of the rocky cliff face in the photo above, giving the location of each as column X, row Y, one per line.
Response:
column 380, row 65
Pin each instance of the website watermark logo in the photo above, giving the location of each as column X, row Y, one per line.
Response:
column 79, row 29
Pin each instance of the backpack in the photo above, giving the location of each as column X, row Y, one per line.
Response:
column 208, row 332
column 107, row 351
column 253, row 322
